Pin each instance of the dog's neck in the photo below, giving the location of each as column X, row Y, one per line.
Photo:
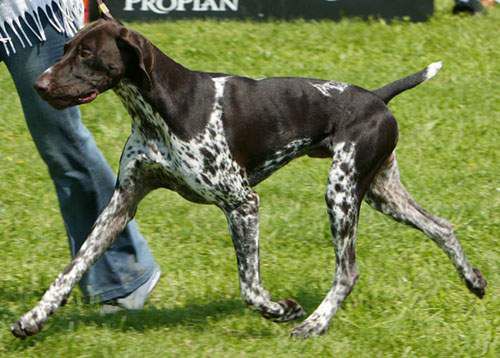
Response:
column 144, row 117
column 165, row 94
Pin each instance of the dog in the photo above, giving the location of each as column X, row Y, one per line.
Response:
column 212, row 137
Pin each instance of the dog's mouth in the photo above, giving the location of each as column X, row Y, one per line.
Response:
column 87, row 98
column 62, row 102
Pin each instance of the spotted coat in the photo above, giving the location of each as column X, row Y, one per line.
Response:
column 213, row 137
column 201, row 169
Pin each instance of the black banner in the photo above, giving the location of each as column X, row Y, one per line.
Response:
column 130, row 10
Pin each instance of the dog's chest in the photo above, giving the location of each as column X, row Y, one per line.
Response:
column 201, row 169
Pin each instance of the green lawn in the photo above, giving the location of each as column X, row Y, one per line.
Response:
column 408, row 301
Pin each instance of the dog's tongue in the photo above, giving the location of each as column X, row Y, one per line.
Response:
column 88, row 98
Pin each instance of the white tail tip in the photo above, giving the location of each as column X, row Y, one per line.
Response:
column 433, row 69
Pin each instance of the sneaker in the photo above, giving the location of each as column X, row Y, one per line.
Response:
column 136, row 299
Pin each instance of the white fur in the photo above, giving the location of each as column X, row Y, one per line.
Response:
column 326, row 88
column 433, row 69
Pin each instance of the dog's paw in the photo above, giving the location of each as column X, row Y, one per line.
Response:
column 478, row 284
column 311, row 327
column 291, row 310
column 25, row 327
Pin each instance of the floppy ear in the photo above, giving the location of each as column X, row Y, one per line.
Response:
column 134, row 51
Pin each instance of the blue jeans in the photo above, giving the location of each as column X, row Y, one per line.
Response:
column 83, row 180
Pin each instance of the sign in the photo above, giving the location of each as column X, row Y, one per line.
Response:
column 131, row 10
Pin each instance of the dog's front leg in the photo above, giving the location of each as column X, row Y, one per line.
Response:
column 109, row 224
column 244, row 227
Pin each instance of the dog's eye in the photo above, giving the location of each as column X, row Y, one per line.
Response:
column 84, row 53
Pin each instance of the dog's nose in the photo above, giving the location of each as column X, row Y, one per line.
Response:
column 42, row 85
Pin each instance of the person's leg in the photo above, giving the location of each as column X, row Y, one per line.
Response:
column 84, row 182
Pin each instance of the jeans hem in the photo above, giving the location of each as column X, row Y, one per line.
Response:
column 120, row 290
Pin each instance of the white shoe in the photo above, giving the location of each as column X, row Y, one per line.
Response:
column 136, row 299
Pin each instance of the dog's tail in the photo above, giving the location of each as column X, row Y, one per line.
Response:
column 391, row 90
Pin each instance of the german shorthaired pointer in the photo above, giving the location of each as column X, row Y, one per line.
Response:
column 212, row 137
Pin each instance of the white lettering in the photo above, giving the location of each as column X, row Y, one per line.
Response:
column 147, row 5
column 167, row 6
column 129, row 4
column 158, row 7
column 196, row 5
column 181, row 3
column 210, row 5
column 232, row 4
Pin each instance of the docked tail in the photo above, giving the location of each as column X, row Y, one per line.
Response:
column 391, row 90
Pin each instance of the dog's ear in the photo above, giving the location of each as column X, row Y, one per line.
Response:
column 133, row 49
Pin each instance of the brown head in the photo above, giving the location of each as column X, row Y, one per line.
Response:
column 95, row 60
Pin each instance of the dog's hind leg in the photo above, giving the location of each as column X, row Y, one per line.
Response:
column 343, row 202
column 244, row 228
column 109, row 224
column 387, row 195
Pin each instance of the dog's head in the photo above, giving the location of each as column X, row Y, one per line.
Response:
column 95, row 60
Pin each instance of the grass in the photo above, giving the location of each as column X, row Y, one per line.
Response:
column 408, row 301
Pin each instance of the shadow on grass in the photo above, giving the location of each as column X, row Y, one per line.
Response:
column 193, row 316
